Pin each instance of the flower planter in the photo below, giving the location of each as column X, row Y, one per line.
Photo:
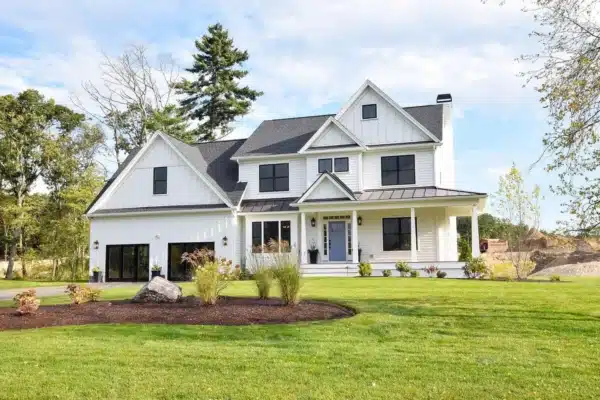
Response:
column 96, row 276
column 313, row 255
column 155, row 274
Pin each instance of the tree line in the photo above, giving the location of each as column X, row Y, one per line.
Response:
column 53, row 157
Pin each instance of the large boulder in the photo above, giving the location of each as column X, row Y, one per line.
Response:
column 158, row 290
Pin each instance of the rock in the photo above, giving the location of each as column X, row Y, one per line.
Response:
column 158, row 290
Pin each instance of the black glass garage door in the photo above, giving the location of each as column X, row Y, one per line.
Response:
column 179, row 270
column 127, row 262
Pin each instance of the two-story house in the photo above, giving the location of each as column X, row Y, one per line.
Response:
column 374, row 182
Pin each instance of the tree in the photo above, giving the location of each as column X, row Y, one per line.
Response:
column 26, row 122
column 567, row 76
column 214, row 98
column 134, row 100
column 519, row 208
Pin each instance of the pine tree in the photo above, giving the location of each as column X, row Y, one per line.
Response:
column 215, row 98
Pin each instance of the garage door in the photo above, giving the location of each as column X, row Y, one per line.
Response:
column 178, row 270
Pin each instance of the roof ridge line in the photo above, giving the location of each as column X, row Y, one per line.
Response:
column 305, row 116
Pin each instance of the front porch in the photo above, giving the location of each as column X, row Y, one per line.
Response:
column 453, row 269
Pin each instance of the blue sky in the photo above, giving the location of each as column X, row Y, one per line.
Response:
column 309, row 56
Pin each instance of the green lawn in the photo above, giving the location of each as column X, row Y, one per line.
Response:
column 413, row 339
column 15, row 284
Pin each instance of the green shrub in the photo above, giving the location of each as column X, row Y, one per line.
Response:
column 26, row 302
column 156, row 268
column 464, row 249
column 403, row 268
column 555, row 278
column 288, row 277
column 365, row 269
column 441, row 274
column 386, row 273
column 431, row 270
column 263, row 277
column 475, row 268
column 414, row 273
column 212, row 277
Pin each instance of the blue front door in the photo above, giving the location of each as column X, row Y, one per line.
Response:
column 337, row 241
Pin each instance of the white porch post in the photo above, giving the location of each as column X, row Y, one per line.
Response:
column 354, row 237
column 303, row 245
column 413, row 237
column 475, row 233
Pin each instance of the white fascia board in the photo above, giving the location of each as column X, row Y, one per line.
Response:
column 160, row 212
column 322, row 129
column 314, row 186
column 391, row 101
column 285, row 156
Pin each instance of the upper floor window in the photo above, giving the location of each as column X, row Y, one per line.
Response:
column 274, row 177
column 398, row 170
column 160, row 180
column 341, row 164
column 325, row 164
column 369, row 111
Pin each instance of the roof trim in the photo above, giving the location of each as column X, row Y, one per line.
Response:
column 333, row 179
column 322, row 129
column 159, row 210
column 367, row 83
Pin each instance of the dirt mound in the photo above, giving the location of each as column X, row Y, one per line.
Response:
column 553, row 258
column 227, row 311
column 581, row 269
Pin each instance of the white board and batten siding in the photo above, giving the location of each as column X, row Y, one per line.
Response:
column 350, row 178
column 424, row 167
column 248, row 172
column 159, row 230
column 184, row 186
column 390, row 126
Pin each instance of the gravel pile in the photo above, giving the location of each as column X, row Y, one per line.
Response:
column 581, row 269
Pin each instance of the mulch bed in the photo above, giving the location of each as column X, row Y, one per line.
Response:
column 227, row 311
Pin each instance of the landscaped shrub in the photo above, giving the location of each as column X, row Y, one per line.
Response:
column 464, row 249
column 403, row 268
column 80, row 294
column 212, row 277
column 441, row 274
column 263, row 278
column 555, row 278
column 475, row 268
column 288, row 276
column 26, row 302
column 431, row 270
column 365, row 269
column 414, row 273
column 386, row 272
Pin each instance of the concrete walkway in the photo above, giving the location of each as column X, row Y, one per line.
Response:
column 47, row 291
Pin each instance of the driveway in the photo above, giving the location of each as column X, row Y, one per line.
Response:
column 47, row 291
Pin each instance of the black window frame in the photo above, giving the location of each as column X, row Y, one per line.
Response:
column 367, row 108
column 335, row 161
column 160, row 180
column 400, row 234
column 270, row 177
column 261, row 237
column 397, row 171
column 141, row 254
column 323, row 161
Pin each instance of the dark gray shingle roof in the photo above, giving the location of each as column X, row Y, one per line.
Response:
column 430, row 116
column 161, row 208
column 281, row 136
column 269, row 205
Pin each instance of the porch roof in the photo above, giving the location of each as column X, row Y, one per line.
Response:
column 268, row 205
column 425, row 192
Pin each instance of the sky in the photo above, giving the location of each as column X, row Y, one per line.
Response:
column 309, row 56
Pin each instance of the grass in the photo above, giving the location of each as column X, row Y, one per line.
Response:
column 16, row 284
column 413, row 338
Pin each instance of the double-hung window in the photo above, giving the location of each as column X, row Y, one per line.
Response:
column 274, row 177
column 396, row 234
column 160, row 180
column 398, row 170
column 338, row 164
column 265, row 232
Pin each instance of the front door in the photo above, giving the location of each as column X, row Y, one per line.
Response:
column 337, row 241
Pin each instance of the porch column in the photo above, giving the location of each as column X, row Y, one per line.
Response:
column 354, row 237
column 475, row 233
column 413, row 237
column 303, row 245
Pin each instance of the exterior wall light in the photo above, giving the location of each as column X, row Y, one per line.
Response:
column 313, row 222
column 359, row 220
column 225, row 241
column 96, row 245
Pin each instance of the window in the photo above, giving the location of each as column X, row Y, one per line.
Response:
column 325, row 165
column 341, row 164
column 369, row 111
column 396, row 234
column 325, row 243
column 160, row 180
column 349, row 226
column 265, row 231
column 398, row 170
column 274, row 177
